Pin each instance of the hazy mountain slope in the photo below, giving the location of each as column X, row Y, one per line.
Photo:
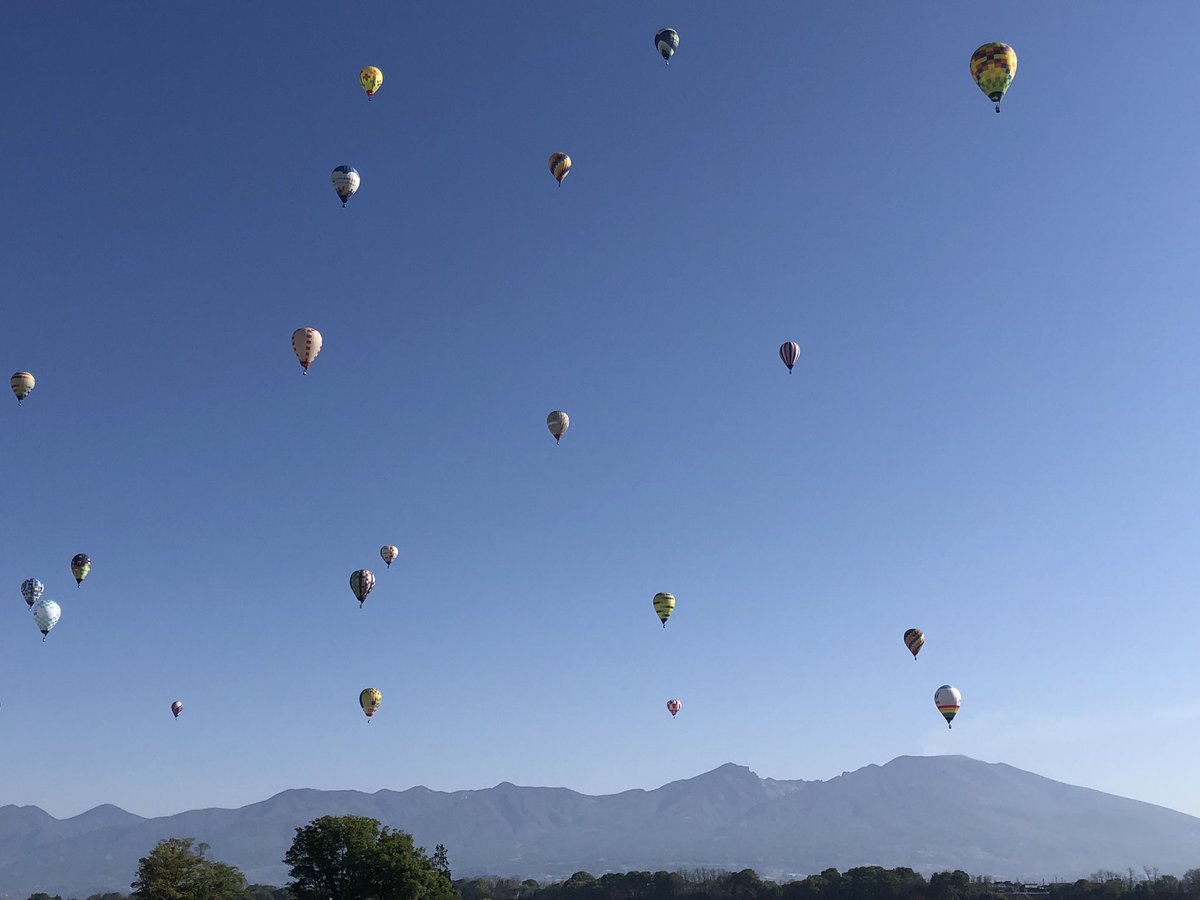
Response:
column 929, row 813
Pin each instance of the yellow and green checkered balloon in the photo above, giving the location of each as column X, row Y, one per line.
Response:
column 993, row 66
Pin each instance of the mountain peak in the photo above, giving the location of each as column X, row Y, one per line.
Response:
column 930, row 813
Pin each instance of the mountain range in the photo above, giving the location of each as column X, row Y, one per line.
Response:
column 929, row 813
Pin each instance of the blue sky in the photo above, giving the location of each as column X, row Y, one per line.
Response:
column 990, row 434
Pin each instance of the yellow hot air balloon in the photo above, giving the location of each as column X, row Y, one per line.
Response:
column 21, row 383
column 389, row 552
column 369, row 700
column 994, row 66
column 664, row 605
column 371, row 79
column 560, row 165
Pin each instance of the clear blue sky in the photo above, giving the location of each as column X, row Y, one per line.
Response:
column 991, row 432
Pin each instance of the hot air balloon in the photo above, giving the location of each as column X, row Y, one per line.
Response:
column 389, row 554
column 558, row 422
column 667, row 42
column 81, row 564
column 914, row 640
column 993, row 66
column 22, row 383
column 948, row 700
column 31, row 590
column 177, row 708
column 46, row 614
column 664, row 605
column 361, row 583
column 789, row 352
column 673, row 707
column 560, row 165
column 306, row 344
column 370, row 78
column 345, row 182
column 369, row 700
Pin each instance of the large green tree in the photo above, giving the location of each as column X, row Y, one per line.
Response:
column 174, row 871
column 356, row 858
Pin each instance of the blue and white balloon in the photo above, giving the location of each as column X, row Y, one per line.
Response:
column 345, row 182
column 31, row 590
column 667, row 42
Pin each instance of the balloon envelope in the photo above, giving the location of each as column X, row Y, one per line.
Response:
column 361, row 583
column 914, row 640
column 345, row 182
column 388, row 553
column 369, row 700
column 948, row 700
column 81, row 564
column 667, row 42
column 560, row 165
column 664, row 605
column 558, row 422
column 370, row 78
column 789, row 352
column 673, row 707
column 31, row 590
column 46, row 614
column 306, row 344
column 993, row 66
column 177, row 708
column 22, row 383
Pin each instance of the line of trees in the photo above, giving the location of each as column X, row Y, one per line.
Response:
column 861, row 883
column 357, row 858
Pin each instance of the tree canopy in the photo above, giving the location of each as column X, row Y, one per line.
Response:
column 357, row 858
column 174, row 871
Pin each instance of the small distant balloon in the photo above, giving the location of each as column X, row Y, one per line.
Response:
column 31, row 590
column 370, row 78
column 177, row 708
column 558, row 422
column 81, row 564
column 914, row 640
column 667, row 42
column 345, row 182
column 673, row 707
column 789, row 352
column 361, row 583
column 22, row 384
column 46, row 614
column 370, row 700
column 389, row 554
column 948, row 700
column 306, row 344
column 560, row 165
column 664, row 605
column 994, row 66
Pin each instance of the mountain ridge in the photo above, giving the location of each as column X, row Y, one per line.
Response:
column 927, row 812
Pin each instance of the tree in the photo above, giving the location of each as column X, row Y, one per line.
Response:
column 174, row 871
column 356, row 858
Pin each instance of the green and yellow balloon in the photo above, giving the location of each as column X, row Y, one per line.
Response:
column 993, row 66
column 664, row 605
column 370, row 700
